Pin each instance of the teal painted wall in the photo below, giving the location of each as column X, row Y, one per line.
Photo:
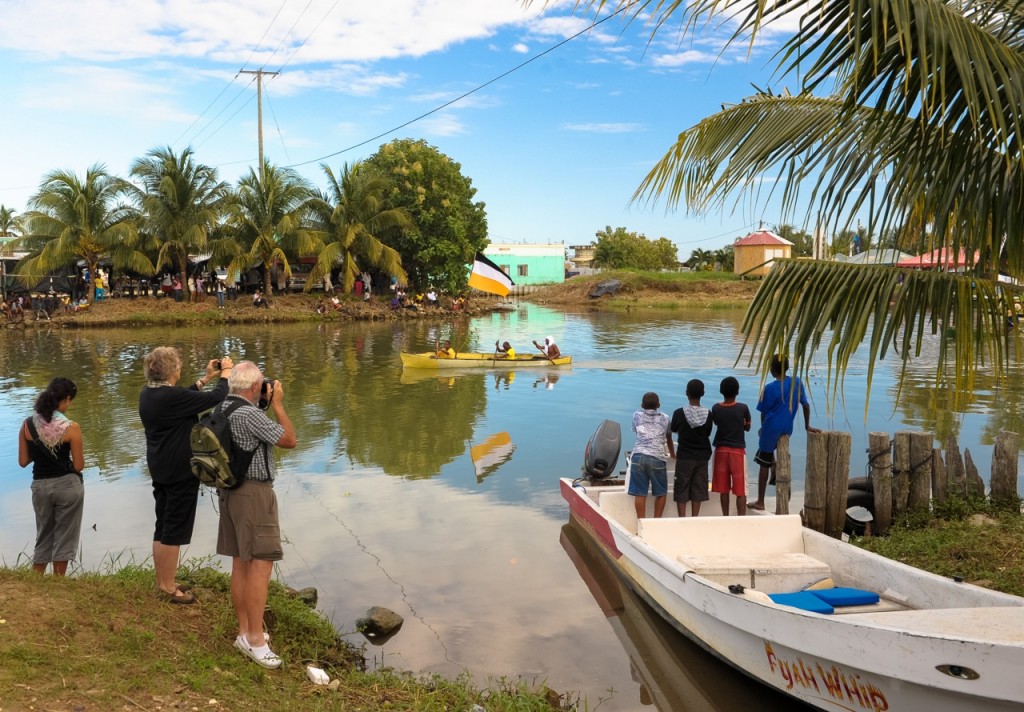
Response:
column 540, row 269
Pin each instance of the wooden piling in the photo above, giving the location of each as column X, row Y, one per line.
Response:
column 975, row 485
column 955, row 470
column 880, row 459
column 783, row 475
column 940, row 481
column 920, row 490
column 1004, row 467
column 900, row 472
column 837, row 480
column 814, row 487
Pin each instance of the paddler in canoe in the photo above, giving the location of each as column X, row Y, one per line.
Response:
column 505, row 350
column 549, row 348
column 444, row 352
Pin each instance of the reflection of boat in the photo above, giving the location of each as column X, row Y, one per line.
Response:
column 672, row 672
column 476, row 360
column 873, row 634
column 491, row 454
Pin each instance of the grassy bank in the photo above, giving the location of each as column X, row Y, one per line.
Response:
column 103, row 642
column 653, row 290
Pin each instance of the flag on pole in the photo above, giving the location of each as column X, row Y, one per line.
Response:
column 489, row 277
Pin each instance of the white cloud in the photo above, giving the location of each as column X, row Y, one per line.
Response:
column 682, row 58
column 604, row 128
column 444, row 123
column 520, row 48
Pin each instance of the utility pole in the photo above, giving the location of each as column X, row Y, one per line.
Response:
column 259, row 106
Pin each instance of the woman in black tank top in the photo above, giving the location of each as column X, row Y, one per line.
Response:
column 53, row 444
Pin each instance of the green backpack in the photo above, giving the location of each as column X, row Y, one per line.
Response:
column 216, row 460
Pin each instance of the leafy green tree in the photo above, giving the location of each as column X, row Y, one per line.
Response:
column 71, row 219
column 618, row 248
column 10, row 226
column 725, row 258
column 450, row 228
column 701, row 259
column 181, row 204
column 803, row 241
column 269, row 217
column 920, row 92
column 351, row 217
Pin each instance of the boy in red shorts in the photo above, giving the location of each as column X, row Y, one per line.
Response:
column 729, row 472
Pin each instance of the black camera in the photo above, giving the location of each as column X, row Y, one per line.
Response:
column 264, row 401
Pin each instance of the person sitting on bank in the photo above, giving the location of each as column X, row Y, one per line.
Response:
column 549, row 348
column 505, row 350
column 258, row 300
column 446, row 351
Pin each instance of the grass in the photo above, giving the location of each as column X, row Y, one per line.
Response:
column 654, row 290
column 97, row 641
column 970, row 539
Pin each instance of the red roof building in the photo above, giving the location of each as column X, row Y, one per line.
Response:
column 755, row 253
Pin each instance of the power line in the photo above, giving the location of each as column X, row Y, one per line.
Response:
column 468, row 93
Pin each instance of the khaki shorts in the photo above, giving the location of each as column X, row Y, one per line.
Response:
column 249, row 528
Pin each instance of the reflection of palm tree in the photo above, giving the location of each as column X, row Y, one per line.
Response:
column 72, row 219
column 181, row 204
column 268, row 216
column 351, row 216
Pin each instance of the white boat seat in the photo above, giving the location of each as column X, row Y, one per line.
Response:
column 761, row 552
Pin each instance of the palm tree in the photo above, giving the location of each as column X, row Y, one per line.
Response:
column 73, row 219
column 269, row 217
column 351, row 217
column 907, row 111
column 10, row 225
column 700, row 259
column 181, row 204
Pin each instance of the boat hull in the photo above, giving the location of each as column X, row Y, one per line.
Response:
column 429, row 360
column 830, row 662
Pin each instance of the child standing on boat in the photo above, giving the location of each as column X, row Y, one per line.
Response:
column 693, row 423
column 732, row 421
column 777, row 405
column 648, row 469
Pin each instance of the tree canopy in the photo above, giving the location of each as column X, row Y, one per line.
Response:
column 449, row 227
column 907, row 111
column 620, row 248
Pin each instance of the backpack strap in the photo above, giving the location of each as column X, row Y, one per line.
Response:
column 228, row 409
column 68, row 465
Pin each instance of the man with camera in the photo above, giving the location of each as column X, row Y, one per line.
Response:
column 249, row 530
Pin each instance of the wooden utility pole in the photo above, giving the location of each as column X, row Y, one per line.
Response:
column 259, row 106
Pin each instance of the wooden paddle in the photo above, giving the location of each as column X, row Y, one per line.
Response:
column 494, row 361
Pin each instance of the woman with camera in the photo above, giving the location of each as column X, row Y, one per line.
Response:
column 53, row 444
column 168, row 412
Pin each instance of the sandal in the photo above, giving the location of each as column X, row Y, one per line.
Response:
column 262, row 655
column 758, row 507
column 183, row 587
column 179, row 597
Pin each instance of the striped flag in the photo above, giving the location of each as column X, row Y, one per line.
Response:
column 489, row 277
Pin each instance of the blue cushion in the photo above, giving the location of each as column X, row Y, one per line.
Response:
column 805, row 600
column 846, row 596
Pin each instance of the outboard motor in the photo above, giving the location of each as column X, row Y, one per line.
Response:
column 602, row 453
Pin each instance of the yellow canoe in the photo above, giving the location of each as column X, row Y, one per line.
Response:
column 475, row 360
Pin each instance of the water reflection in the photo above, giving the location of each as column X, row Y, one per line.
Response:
column 382, row 502
column 670, row 672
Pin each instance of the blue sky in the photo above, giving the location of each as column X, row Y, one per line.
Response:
column 555, row 149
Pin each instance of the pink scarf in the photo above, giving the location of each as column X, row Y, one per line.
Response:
column 51, row 432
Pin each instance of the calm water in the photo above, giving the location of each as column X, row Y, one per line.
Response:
column 382, row 503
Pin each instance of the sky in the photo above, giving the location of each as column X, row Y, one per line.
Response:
column 555, row 148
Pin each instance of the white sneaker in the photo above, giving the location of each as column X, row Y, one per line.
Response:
column 262, row 655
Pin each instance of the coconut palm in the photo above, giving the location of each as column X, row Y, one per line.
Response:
column 73, row 219
column 907, row 111
column 700, row 259
column 351, row 217
column 269, row 218
column 181, row 204
column 10, row 227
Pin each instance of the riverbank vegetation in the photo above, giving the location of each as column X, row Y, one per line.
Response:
column 105, row 642
column 652, row 290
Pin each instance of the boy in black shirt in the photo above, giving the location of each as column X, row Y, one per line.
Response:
column 693, row 423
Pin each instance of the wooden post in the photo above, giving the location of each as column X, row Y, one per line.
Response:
column 814, row 487
column 1004, row 467
column 900, row 472
column 920, row 490
column 880, row 458
column 939, row 479
column 836, row 482
column 783, row 475
column 975, row 485
column 955, row 466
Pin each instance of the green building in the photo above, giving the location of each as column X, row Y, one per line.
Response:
column 529, row 264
